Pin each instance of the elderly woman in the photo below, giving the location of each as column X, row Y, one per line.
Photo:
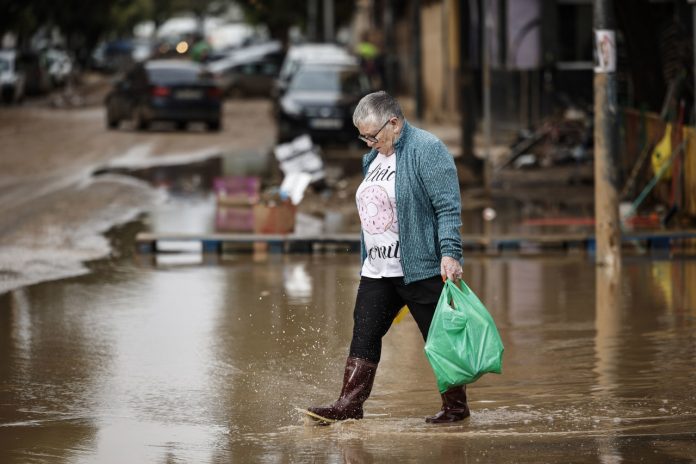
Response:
column 410, row 212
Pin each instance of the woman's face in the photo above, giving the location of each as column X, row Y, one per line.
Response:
column 381, row 135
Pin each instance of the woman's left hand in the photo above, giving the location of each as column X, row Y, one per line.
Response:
column 450, row 269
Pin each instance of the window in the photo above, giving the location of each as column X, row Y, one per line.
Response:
column 330, row 80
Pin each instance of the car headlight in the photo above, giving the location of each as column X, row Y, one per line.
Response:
column 290, row 106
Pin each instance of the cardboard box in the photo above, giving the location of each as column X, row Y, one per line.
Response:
column 276, row 218
column 237, row 190
column 234, row 219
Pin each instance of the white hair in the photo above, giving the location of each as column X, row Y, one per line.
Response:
column 376, row 108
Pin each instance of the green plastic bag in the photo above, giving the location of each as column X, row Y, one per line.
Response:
column 463, row 342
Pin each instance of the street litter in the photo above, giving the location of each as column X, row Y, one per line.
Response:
column 307, row 224
column 237, row 190
column 300, row 155
column 243, row 207
column 564, row 139
column 294, row 186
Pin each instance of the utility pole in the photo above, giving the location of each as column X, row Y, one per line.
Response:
column 312, row 13
column 487, row 24
column 328, row 20
column 606, row 153
column 389, row 47
column 467, row 96
column 693, row 22
column 417, row 74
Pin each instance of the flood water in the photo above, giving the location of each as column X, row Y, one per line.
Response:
column 136, row 363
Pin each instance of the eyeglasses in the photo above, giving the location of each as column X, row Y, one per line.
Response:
column 373, row 138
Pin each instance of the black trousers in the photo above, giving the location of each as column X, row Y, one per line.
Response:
column 379, row 301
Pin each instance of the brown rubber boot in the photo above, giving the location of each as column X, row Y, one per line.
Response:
column 358, row 378
column 454, row 407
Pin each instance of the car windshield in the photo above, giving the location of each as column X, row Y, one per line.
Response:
column 347, row 81
column 171, row 75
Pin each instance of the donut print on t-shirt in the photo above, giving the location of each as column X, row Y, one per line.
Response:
column 375, row 199
column 375, row 209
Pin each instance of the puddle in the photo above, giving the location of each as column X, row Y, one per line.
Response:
column 208, row 364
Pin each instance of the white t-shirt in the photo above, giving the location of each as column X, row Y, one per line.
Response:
column 376, row 202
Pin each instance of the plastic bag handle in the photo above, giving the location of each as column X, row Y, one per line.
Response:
column 461, row 289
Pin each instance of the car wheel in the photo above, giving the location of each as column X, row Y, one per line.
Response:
column 140, row 122
column 181, row 125
column 214, row 125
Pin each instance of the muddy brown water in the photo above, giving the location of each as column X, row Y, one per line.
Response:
column 209, row 363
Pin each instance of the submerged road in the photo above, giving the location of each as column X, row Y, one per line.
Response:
column 142, row 362
column 53, row 211
column 208, row 364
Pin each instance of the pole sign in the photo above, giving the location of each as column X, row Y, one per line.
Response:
column 605, row 50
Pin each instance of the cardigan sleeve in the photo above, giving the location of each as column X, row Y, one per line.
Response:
column 439, row 176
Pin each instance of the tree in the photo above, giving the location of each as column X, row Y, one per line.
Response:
column 280, row 15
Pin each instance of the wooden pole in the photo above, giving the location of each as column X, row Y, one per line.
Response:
column 312, row 11
column 693, row 26
column 606, row 153
column 486, row 65
column 328, row 20
column 467, row 93
column 417, row 61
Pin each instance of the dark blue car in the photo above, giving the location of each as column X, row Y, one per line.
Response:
column 179, row 91
column 319, row 101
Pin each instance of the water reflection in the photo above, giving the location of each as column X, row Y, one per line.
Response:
column 297, row 283
column 208, row 364
column 608, row 325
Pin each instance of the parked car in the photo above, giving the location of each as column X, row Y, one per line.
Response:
column 118, row 55
column 34, row 65
column 249, row 71
column 320, row 100
column 302, row 54
column 180, row 91
column 253, row 79
column 12, row 79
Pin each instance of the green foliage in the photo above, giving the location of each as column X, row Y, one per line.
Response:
column 125, row 15
column 89, row 19
column 280, row 15
column 277, row 15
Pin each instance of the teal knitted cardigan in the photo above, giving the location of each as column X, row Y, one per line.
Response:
column 428, row 203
